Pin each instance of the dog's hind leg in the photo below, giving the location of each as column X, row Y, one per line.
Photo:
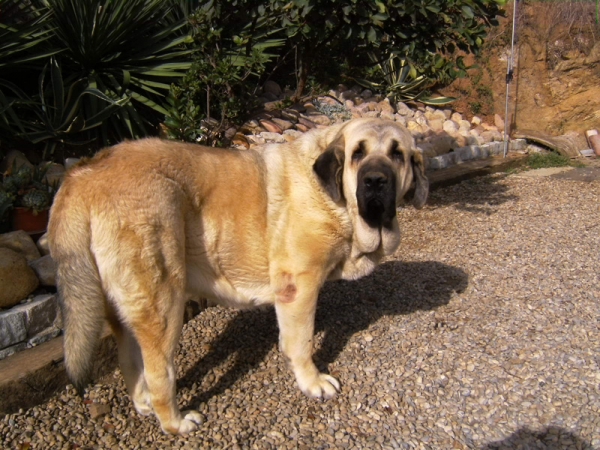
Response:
column 132, row 366
column 158, row 337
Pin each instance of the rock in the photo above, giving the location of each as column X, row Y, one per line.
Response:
column 8, row 351
column 488, row 127
column 422, row 120
column 271, row 105
column 361, row 109
column 20, row 242
column 255, row 139
column 40, row 313
column 70, row 162
column 349, row 104
column 271, row 87
column 435, row 114
column 367, row 93
column 307, row 123
column 498, row 122
column 270, row 126
column 290, row 114
column 291, row 135
column 387, row 116
column 272, row 137
column 270, row 97
column 450, row 126
column 44, row 336
column 384, row 106
column 283, row 124
column 239, row 141
column 436, row 125
column 251, row 127
column 320, row 119
column 400, row 119
column 372, row 114
column 14, row 327
column 491, row 136
column 459, row 141
column 98, row 410
column 55, row 173
column 17, row 279
column 476, row 120
column 16, row 159
column 464, row 125
column 309, row 107
column 348, row 95
column 437, row 145
column 230, row 133
column 302, row 127
column 45, row 270
column 456, row 117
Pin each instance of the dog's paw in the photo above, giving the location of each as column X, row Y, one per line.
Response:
column 322, row 386
column 190, row 422
column 144, row 407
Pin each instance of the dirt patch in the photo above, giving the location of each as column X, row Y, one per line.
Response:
column 556, row 85
column 587, row 174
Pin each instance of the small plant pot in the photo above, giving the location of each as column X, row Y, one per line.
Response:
column 34, row 224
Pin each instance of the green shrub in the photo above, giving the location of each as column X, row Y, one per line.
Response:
column 114, row 62
column 220, row 88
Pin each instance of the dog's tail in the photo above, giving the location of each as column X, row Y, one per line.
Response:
column 79, row 286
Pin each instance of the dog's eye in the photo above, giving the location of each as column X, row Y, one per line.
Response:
column 395, row 152
column 359, row 153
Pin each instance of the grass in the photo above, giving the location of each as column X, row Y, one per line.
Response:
column 551, row 159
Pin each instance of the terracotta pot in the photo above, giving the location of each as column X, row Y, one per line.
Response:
column 24, row 219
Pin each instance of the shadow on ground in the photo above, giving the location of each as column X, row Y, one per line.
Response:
column 476, row 195
column 551, row 438
column 345, row 308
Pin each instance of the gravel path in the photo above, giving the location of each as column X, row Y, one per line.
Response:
column 482, row 332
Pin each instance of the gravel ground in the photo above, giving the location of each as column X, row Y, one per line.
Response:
column 481, row 332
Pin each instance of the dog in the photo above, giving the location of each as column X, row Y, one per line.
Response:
column 146, row 225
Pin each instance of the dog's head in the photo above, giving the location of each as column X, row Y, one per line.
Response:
column 370, row 164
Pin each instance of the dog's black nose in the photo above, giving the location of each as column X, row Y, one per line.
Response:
column 375, row 180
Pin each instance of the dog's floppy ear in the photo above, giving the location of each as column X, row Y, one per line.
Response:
column 329, row 168
column 421, row 181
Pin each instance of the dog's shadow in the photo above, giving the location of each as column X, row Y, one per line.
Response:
column 345, row 308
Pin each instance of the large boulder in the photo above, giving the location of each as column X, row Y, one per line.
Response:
column 17, row 279
column 20, row 242
column 45, row 270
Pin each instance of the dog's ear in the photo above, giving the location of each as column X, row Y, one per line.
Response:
column 421, row 181
column 329, row 168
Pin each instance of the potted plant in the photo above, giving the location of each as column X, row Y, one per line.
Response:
column 26, row 197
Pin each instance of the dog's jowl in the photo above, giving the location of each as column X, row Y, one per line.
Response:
column 145, row 225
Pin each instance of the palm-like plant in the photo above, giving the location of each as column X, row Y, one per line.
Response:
column 401, row 81
column 130, row 50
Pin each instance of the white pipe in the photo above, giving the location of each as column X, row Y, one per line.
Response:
column 509, row 73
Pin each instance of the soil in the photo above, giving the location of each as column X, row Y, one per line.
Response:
column 556, row 83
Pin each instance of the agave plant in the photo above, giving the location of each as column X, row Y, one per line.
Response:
column 130, row 50
column 55, row 114
column 23, row 32
column 401, row 81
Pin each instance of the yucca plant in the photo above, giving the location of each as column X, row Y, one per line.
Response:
column 23, row 32
column 130, row 50
column 55, row 115
column 401, row 82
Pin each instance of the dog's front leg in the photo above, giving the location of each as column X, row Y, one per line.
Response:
column 296, row 305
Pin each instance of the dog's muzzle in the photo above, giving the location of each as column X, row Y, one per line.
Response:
column 376, row 194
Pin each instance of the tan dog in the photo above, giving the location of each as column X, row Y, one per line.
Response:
column 148, row 224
